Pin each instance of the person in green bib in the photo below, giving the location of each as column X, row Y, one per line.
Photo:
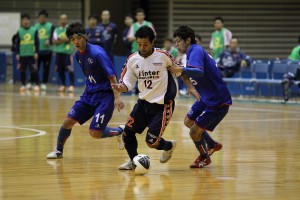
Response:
column 45, row 30
column 140, row 21
column 295, row 54
column 27, row 46
column 220, row 38
column 168, row 46
column 63, row 52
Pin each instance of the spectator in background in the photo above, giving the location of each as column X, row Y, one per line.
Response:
column 295, row 54
column 45, row 32
column 93, row 31
column 128, row 22
column 109, row 33
column 198, row 39
column 168, row 46
column 232, row 59
column 220, row 38
column 140, row 21
column 27, row 47
column 63, row 52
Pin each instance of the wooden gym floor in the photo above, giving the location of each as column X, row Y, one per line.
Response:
column 259, row 160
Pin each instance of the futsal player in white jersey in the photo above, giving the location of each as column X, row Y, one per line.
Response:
column 150, row 67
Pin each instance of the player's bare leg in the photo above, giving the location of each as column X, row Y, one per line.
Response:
column 212, row 145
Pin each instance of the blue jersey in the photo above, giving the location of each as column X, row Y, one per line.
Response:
column 97, row 67
column 94, row 35
column 210, row 86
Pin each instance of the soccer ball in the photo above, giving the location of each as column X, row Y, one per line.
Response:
column 141, row 164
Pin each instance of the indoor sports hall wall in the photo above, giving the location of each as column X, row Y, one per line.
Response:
column 266, row 28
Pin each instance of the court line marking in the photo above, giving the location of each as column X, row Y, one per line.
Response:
column 40, row 132
column 174, row 122
column 52, row 96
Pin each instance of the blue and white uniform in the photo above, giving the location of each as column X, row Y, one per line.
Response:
column 98, row 98
column 215, row 96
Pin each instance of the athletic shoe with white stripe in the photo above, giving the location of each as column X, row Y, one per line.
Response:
column 55, row 155
column 127, row 166
column 166, row 155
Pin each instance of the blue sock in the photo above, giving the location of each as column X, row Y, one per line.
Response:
column 210, row 142
column 201, row 147
column 111, row 132
column 62, row 137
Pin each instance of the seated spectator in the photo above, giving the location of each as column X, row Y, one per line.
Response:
column 168, row 46
column 232, row 59
column 295, row 54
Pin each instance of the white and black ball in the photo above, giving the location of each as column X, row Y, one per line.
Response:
column 141, row 164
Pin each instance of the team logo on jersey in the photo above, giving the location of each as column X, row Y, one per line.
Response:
column 157, row 64
column 137, row 66
column 72, row 112
column 90, row 61
column 148, row 74
column 79, row 61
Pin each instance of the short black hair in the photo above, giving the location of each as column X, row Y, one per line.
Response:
column 168, row 39
column 129, row 15
column 93, row 16
column 139, row 10
column 145, row 32
column 75, row 28
column 25, row 15
column 235, row 37
column 43, row 12
column 184, row 32
column 219, row 18
column 199, row 37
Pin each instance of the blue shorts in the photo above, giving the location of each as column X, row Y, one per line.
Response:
column 99, row 105
column 207, row 117
column 154, row 116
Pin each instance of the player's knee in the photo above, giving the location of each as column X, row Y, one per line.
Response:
column 152, row 145
column 151, row 140
column 69, row 123
column 96, row 134
column 128, row 135
column 188, row 122
column 196, row 133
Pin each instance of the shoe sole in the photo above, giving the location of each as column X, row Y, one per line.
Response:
column 54, row 157
column 213, row 150
column 125, row 169
column 198, row 167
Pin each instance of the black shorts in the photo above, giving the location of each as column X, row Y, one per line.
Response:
column 152, row 115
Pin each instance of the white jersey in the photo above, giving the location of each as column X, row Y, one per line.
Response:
column 155, row 82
